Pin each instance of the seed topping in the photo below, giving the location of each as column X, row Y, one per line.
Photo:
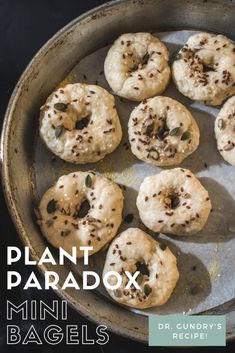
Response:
column 51, row 206
column 62, row 107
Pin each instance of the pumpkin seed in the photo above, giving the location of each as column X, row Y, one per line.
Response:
column 51, row 206
column 83, row 210
column 185, row 135
column 88, row 181
column 154, row 154
column 147, row 290
column 174, row 131
column 58, row 130
column 61, row 106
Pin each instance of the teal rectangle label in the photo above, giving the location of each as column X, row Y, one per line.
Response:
column 186, row 330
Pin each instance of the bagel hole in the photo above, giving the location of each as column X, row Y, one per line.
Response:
column 82, row 123
column 207, row 68
column 143, row 61
column 150, row 129
column 83, row 209
column 142, row 267
column 163, row 131
column 134, row 68
column 172, row 201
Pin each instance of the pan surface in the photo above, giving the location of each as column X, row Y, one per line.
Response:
column 28, row 172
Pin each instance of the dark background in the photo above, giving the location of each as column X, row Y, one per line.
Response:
column 25, row 25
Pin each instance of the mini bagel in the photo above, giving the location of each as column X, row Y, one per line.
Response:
column 204, row 69
column 81, row 209
column 136, row 66
column 162, row 132
column 79, row 123
column 225, row 131
column 134, row 250
column 173, row 201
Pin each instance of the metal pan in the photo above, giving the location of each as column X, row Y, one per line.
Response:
column 21, row 169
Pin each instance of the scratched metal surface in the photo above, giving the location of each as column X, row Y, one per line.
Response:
column 207, row 260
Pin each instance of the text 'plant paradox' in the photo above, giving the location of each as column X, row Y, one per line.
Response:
column 111, row 280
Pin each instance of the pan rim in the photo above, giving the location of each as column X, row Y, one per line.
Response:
column 5, row 172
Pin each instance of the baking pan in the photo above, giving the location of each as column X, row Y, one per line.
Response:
column 75, row 54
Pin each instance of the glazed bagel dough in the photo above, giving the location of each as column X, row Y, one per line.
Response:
column 162, row 132
column 134, row 250
column 79, row 123
column 81, row 209
column 173, row 201
column 225, row 131
column 204, row 69
column 136, row 66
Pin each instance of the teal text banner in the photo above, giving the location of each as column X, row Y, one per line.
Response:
column 185, row 330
